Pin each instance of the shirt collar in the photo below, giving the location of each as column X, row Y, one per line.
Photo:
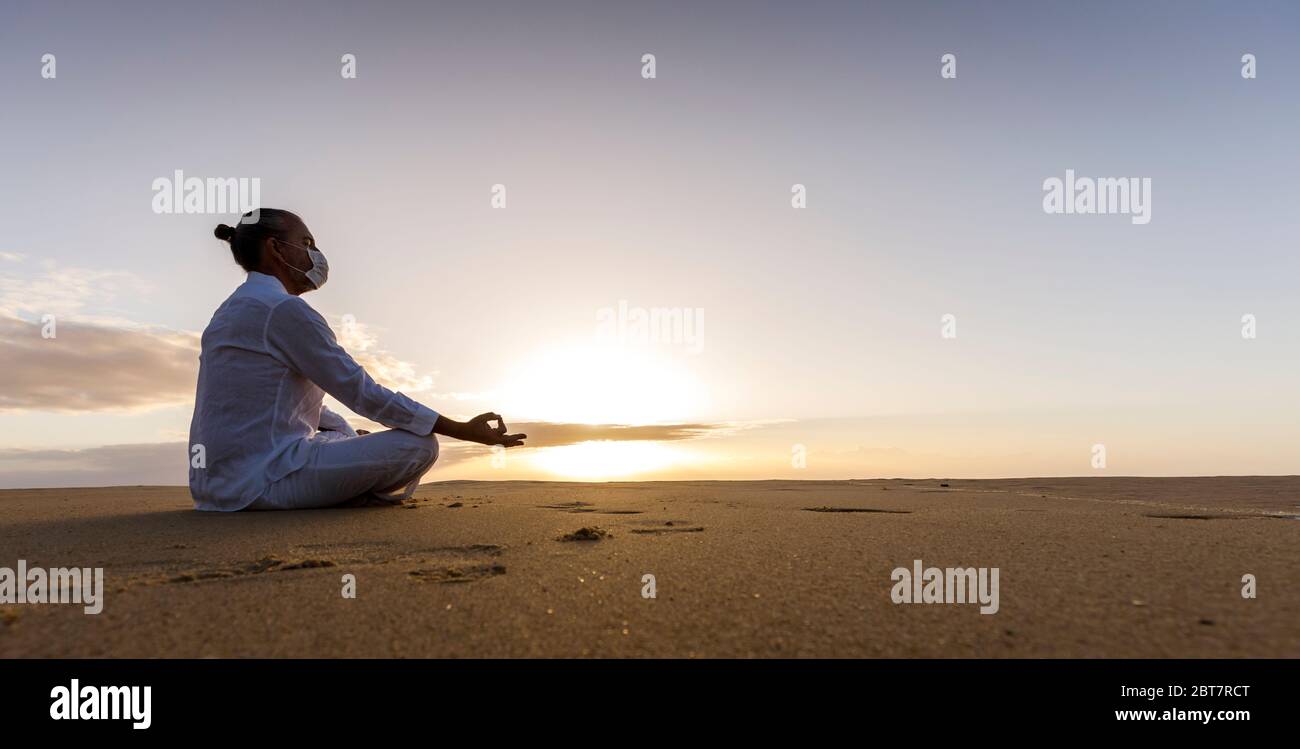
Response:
column 264, row 281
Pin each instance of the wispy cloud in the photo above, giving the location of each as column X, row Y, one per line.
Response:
column 111, row 465
column 94, row 367
column 363, row 343
column 81, row 294
column 546, row 434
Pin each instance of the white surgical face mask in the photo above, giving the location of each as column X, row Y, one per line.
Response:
column 320, row 267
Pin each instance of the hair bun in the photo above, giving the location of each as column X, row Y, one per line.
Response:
column 224, row 233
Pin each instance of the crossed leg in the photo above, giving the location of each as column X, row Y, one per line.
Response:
column 380, row 468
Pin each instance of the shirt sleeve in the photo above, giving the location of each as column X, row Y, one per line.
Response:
column 332, row 422
column 297, row 335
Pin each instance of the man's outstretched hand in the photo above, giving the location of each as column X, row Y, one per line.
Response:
column 478, row 429
column 481, row 431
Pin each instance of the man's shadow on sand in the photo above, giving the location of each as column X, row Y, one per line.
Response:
column 182, row 523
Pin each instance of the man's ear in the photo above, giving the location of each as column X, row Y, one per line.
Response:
column 271, row 250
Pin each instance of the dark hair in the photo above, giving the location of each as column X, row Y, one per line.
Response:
column 246, row 238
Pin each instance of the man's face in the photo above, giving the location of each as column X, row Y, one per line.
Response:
column 291, row 248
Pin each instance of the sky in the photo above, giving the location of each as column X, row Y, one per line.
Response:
column 820, row 344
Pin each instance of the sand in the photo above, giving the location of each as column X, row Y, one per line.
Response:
column 1095, row 567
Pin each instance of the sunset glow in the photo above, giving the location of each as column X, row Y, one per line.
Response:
column 607, row 459
column 593, row 384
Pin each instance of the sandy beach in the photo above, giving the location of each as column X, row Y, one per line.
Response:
column 1093, row 567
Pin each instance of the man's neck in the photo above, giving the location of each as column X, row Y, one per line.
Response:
column 284, row 277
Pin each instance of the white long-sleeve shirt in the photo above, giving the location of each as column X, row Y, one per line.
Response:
column 267, row 359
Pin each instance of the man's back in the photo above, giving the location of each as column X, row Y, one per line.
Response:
column 252, row 412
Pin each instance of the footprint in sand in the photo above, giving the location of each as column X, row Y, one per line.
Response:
column 489, row 549
column 570, row 507
column 660, row 527
column 856, row 509
column 576, row 507
column 455, row 564
column 466, row 573
column 265, row 564
column 668, row 529
column 1196, row 517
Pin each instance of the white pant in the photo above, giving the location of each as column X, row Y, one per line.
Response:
column 384, row 466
